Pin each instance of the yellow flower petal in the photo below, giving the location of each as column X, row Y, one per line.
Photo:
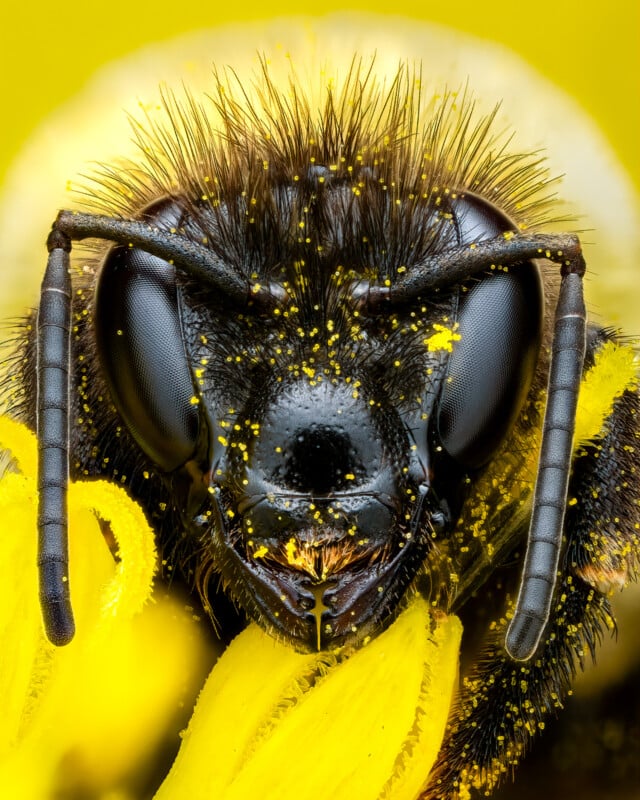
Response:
column 89, row 716
column 131, row 586
column 272, row 723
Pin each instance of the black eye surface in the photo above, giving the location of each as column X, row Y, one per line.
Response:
column 491, row 368
column 141, row 347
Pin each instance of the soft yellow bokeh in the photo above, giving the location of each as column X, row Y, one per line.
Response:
column 590, row 50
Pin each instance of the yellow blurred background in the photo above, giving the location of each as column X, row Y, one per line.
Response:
column 591, row 50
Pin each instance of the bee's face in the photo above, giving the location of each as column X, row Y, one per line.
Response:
column 319, row 453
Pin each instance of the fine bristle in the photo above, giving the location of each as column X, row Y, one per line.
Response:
column 247, row 137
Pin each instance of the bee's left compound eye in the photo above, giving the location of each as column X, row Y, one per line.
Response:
column 500, row 325
column 141, row 347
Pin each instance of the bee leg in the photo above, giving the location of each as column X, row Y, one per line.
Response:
column 504, row 703
column 604, row 497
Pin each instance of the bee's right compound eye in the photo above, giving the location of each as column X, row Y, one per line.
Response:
column 142, row 350
column 500, row 325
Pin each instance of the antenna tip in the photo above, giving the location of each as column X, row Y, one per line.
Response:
column 523, row 636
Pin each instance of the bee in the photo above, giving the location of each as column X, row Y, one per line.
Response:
column 334, row 352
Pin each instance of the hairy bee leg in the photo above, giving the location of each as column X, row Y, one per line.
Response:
column 503, row 703
column 605, row 498
column 53, row 333
column 550, row 496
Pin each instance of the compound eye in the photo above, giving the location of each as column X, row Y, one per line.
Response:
column 141, row 347
column 500, row 325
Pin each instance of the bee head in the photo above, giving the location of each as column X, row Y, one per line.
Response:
column 317, row 451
